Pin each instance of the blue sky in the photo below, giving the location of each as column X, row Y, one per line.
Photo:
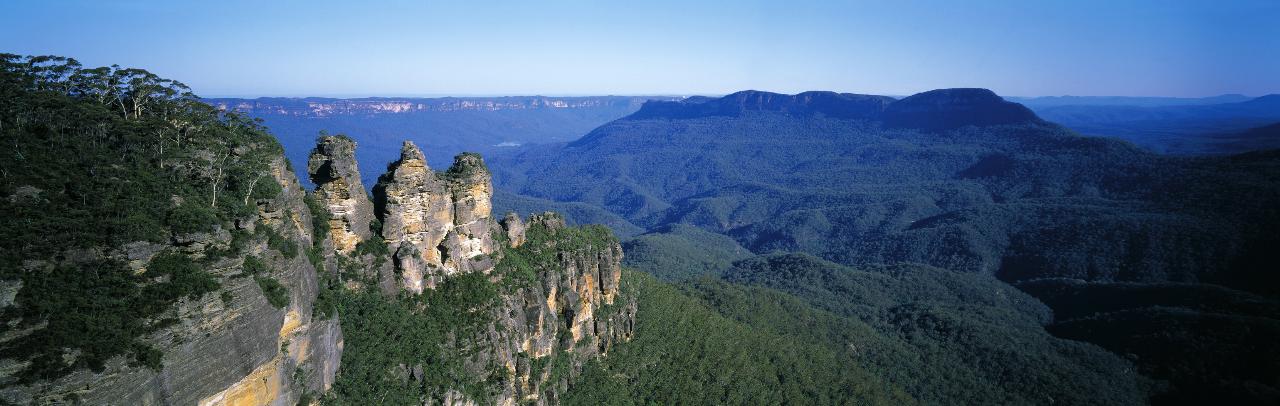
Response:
column 356, row 48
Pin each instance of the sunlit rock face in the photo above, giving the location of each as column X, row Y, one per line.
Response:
column 572, row 310
column 575, row 311
column 332, row 167
column 436, row 224
column 471, row 239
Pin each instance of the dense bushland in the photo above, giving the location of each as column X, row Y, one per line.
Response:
column 97, row 159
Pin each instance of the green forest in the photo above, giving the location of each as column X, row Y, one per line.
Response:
column 95, row 159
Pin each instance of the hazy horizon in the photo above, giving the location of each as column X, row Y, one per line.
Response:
column 297, row 49
column 439, row 96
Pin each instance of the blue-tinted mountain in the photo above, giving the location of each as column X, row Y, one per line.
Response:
column 1021, row 198
column 1036, row 103
column 945, row 109
column 933, row 110
column 1190, row 129
column 965, row 181
column 830, row 104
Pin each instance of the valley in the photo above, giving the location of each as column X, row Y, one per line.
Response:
column 951, row 246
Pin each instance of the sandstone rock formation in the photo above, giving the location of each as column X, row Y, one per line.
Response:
column 515, row 229
column 332, row 167
column 437, row 224
column 542, row 332
column 567, row 307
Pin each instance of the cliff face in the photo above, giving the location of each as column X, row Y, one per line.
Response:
column 539, row 332
column 543, row 331
column 233, row 348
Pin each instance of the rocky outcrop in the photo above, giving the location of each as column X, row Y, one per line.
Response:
column 559, row 300
column 332, row 167
column 574, row 312
column 515, row 229
column 471, row 241
column 544, row 329
column 436, row 224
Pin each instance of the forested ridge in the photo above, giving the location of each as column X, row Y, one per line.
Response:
column 1020, row 199
column 95, row 159
column 1003, row 194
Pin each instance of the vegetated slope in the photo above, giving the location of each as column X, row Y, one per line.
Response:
column 685, row 352
column 1185, row 129
column 444, row 127
column 1253, row 139
column 577, row 213
column 1211, row 343
column 149, row 251
column 677, row 251
column 1013, row 196
column 1019, row 199
column 801, row 327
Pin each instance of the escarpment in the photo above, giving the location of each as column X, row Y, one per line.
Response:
column 255, row 340
column 167, row 255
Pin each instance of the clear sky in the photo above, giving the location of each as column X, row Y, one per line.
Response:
column 367, row 48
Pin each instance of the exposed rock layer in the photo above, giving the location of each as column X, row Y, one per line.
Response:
column 436, row 224
column 332, row 167
column 235, row 348
column 543, row 332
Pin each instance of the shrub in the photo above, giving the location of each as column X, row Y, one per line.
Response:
column 280, row 243
column 276, row 294
column 254, row 266
column 191, row 218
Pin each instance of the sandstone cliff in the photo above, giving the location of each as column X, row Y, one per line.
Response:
column 517, row 335
column 544, row 330
column 235, row 347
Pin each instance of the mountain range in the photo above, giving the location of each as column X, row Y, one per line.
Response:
column 819, row 248
column 959, row 179
column 1181, row 128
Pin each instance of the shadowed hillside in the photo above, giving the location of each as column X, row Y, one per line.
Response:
column 1020, row 198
